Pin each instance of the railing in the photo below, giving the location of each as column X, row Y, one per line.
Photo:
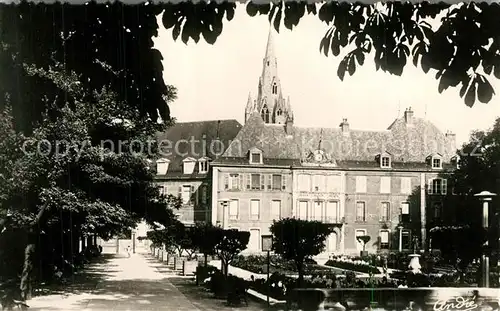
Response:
column 425, row 299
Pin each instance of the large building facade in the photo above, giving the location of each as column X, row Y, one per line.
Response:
column 184, row 169
column 387, row 184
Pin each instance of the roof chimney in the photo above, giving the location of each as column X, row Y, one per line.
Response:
column 344, row 126
column 452, row 141
column 408, row 116
column 216, row 146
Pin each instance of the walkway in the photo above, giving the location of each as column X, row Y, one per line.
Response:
column 118, row 283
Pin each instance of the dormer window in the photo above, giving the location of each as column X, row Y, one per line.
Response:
column 162, row 166
column 384, row 160
column 255, row 156
column 203, row 165
column 188, row 165
column 275, row 88
column 436, row 161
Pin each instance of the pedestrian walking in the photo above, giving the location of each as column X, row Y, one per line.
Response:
column 128, row 251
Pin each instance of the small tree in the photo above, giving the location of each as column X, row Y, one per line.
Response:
column 204, row 239
column 182, row 239
column 298, row 240
column 229, row 244
column 364, row 239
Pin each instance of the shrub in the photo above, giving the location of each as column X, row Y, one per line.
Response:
column 352, row 264
column 203, row 272
column 258, row 264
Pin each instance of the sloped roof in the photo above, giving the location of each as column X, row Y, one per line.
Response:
column 196, row 140
column 404, row 142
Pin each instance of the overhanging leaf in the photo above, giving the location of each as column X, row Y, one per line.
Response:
column 484, row 90
column 342, row 69
column 470, row 96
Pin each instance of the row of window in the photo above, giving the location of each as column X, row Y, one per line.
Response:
column 435, row 161
column 324, row 211
column 384, row 159
column 384, row 238
column 385, row 211
column 254, row 243
column 255, row 240
column 254, row 182
column 255, row 210
column 188, row 194
column 188, row 165
column 434, row 186
column 322, row 183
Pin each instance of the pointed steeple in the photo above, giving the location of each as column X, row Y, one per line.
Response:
column 270, row 102
column 289, row 108
column 250, row 106
column 270, row 44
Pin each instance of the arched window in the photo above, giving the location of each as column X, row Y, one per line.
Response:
column 279, row 112
column 275, row 88
column 265, row 114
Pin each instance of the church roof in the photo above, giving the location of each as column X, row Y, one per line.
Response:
column 407, row 143
column 203, row 135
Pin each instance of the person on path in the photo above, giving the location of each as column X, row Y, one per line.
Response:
column 128, row 251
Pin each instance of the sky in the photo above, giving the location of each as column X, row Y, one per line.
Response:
column 213, row 81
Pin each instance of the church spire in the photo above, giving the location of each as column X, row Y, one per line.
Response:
column 270, row 102
column 270, row 44
column 270, row 63
column 250, row 106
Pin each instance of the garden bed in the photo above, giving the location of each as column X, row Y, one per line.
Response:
column 352, row 264
column 279, row 284
column 258, row 265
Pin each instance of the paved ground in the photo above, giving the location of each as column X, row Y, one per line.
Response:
column 138, row 283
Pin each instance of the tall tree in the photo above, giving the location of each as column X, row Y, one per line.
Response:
column 62, row 179
column 89, row 39
column 461, row 236
column 298, row 240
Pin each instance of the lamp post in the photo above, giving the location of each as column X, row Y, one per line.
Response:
column 267, row 244
column 400, row 238
column 485, row 197
column 133, row 241
column 224, row 202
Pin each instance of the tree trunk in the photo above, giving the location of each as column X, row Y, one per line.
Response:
column 29, row 251
column 83, row 243
column 206, row 260
column 89, row 241
column 27, row 271
column 300, row 271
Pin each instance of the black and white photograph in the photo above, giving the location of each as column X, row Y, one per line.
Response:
column 251, row 155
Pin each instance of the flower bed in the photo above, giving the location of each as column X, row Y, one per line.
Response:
column 279, row 284
column 258, row 265
column 353, row 264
